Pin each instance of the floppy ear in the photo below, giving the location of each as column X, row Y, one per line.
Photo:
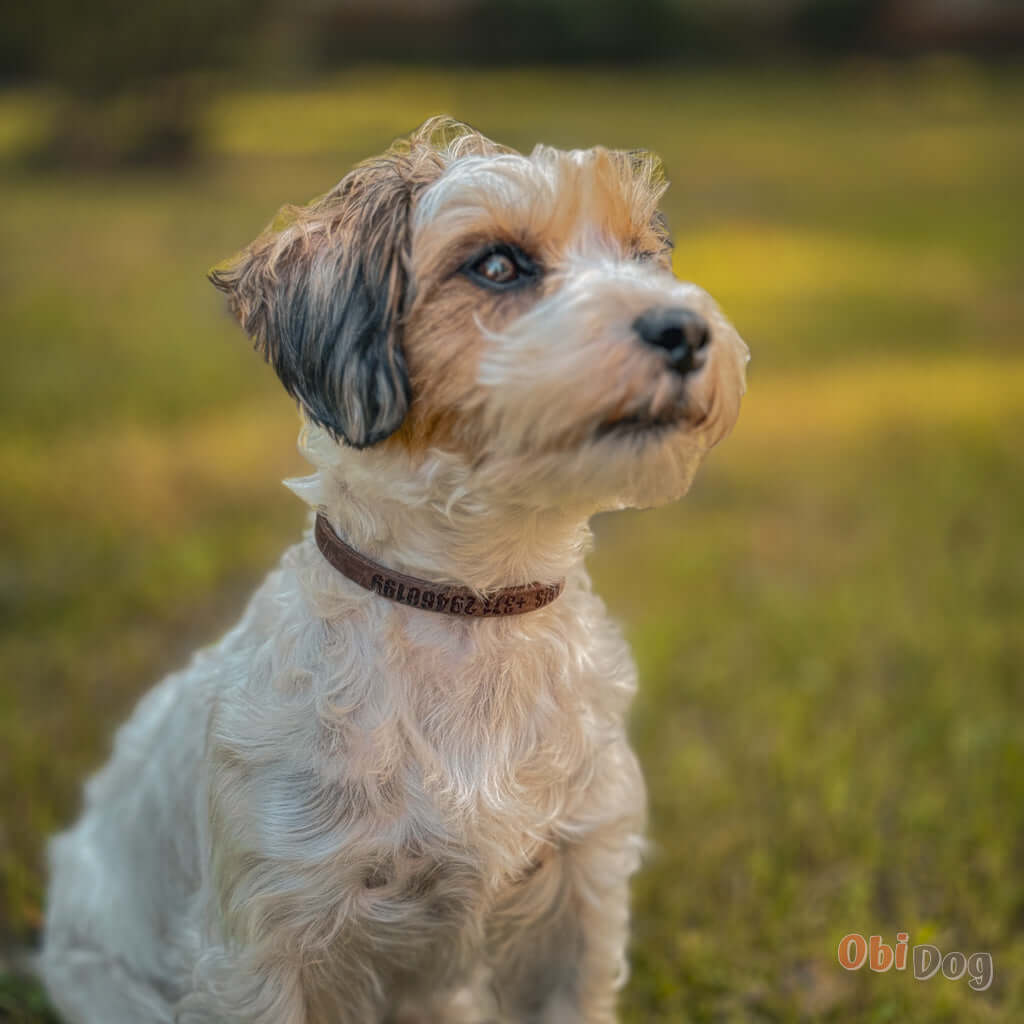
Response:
column 323, row 298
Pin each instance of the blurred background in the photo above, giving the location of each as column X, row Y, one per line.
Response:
column 828, row 629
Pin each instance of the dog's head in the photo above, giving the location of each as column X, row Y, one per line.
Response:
column 517, row 314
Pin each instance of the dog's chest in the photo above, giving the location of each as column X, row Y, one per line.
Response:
column 426, row 917
column 467, row 771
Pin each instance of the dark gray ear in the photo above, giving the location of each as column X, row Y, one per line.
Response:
column 323, row 299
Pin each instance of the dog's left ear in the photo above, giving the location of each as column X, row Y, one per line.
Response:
column 323, row 299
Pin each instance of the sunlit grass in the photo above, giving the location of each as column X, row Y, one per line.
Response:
column 828, row 629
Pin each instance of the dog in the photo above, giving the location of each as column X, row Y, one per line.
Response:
column 400, row 788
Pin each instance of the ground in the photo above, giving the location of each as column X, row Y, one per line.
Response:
column 828, row 628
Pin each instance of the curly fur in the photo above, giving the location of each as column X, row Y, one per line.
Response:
column 348, row 810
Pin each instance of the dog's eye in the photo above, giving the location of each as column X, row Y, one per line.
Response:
column 497, row 268
column 502, row 266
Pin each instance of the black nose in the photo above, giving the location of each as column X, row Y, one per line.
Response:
column 682, row 333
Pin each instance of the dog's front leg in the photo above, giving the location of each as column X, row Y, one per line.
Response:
column 254, row 986
column 274, row 937
column 567, row 961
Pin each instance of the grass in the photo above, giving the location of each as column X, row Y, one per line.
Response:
column 828, row 628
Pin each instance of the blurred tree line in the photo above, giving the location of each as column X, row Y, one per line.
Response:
column 130, row 78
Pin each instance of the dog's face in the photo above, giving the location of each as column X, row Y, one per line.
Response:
column 518, row 313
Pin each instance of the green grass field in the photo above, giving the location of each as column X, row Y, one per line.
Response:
column 829, row 628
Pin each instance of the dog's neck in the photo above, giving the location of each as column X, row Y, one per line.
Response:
column 446, row 536
column 485, row 550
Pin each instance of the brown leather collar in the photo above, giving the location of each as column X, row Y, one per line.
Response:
column 431, row 597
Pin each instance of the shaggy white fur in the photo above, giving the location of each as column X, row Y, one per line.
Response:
column 351, row 811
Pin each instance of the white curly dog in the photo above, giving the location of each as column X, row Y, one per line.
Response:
column 400, row 789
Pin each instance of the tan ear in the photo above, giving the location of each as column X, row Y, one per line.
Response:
column 323, row 298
